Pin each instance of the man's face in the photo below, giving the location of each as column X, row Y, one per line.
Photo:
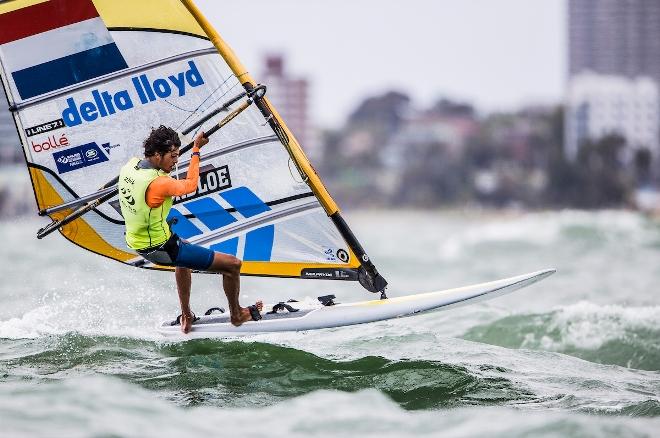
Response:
column 168, row 160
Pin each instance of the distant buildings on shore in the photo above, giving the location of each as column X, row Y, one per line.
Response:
column 290, row 97
column 614, row 75
column 602, row 105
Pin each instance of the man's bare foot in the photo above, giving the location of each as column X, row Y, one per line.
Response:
column 244, row 316
column 186, row 322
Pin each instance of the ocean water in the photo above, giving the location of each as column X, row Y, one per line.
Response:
column 575, row 355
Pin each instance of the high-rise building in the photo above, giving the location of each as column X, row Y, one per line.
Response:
column 289, row 96
column 614, row 37
column 614, row 72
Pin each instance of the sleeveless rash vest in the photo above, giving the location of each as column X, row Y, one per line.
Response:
column 145, row 226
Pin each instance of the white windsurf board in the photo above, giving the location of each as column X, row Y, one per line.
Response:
column 311, row 315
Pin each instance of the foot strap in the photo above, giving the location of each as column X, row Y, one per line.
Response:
column 254, row 312
column 282, row 306
column 177, row 321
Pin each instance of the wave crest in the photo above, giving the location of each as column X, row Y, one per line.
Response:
column 610, row 334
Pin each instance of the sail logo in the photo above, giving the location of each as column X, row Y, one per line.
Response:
column 78, row 157
column 71, row 158
column 52, row 142
column 329, row 274
column 44, row 128
column 107, row 147
column 258, row 243
column 329, row 255
column 210, row 181
column 145, row 90
column 332, row 256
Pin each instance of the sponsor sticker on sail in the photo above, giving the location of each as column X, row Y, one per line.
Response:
column 79, row 157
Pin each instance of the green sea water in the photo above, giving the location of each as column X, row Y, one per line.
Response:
column 575, row 355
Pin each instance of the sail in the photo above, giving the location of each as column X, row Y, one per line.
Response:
column 86, row 80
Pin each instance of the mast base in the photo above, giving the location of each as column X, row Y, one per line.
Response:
column 371, row 281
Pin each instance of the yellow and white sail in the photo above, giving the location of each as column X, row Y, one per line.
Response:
column 86, row 80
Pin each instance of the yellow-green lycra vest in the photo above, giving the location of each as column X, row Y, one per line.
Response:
column 145, row 226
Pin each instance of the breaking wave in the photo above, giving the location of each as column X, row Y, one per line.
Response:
column 610, row 334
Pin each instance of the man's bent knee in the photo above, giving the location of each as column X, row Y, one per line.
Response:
column 235, row 265
column 227, row 264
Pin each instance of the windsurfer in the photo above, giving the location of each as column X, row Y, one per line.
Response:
column 145, row 193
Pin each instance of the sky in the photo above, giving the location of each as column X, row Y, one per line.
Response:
column 496, row 54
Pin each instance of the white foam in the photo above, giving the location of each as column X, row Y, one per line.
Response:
column 586, row 325
column 82, row 313
column 31, row 325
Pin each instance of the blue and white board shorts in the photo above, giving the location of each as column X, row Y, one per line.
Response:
column 178, row 252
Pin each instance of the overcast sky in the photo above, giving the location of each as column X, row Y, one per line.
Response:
column 496, row 54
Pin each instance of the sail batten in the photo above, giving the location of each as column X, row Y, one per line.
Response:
column 232, row 148
column 79, row 201
column 273, row 217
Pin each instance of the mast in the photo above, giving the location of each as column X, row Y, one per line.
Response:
column 369, row 277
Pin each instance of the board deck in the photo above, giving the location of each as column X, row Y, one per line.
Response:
column 311, row 315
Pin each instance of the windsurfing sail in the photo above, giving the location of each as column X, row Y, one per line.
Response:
column 86, row 80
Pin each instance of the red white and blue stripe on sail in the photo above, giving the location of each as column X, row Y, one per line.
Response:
column 55, row 44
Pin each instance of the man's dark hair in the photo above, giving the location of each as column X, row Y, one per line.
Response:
column 160, row 141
